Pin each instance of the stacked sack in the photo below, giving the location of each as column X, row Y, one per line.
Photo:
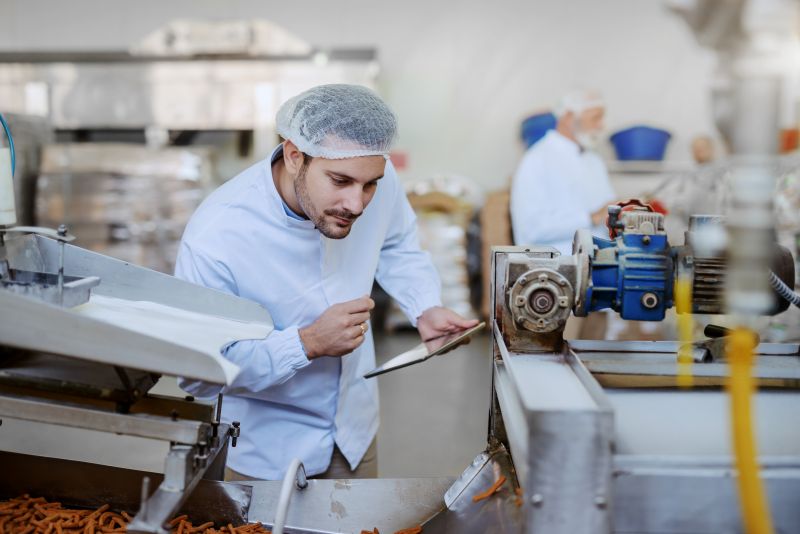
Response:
column 444, row 208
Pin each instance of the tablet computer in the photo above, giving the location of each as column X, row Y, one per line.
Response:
column 427, row 349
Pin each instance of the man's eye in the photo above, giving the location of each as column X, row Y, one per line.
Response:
column 371, row 185
column 339, row 182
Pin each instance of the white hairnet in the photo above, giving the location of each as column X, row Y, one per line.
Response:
column 579, row 101
column 338, row 121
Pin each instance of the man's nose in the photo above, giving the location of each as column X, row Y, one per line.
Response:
column 354, row 201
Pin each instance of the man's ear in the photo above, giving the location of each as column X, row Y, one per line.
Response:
column 292, row 157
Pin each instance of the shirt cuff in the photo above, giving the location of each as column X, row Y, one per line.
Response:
column 200, row 390
column 287, row 343
column 418, row 302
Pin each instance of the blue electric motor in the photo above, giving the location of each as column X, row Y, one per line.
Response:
column 632, row 274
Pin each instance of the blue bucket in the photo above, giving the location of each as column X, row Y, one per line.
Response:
column 641, row 143
column 536, row 126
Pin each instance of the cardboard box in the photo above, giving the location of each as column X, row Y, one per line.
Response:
column 495, row 220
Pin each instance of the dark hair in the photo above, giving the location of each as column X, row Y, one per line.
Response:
column 306, row 162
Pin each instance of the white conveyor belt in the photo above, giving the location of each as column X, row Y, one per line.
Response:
column 199, row 332
column 136, row 334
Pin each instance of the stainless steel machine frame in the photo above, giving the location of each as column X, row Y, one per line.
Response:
column 118, row 90
column 41, row 333
column 558, row 422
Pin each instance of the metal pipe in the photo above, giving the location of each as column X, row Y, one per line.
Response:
column 755, row 71
column 145, row 496
column 62, row 233
column 295, row 476
column 216, row 422
column 218, row 411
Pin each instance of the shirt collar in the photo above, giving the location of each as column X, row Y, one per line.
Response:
column 563, row 141
column 286, row 215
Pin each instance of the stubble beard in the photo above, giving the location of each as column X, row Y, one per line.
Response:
column 304, row 199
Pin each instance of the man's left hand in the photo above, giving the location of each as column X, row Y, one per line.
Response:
column 438, row 321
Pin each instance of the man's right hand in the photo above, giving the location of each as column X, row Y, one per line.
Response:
column 339, row 330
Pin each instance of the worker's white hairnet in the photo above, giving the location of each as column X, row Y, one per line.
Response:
column 338, row 121
column 580, row 100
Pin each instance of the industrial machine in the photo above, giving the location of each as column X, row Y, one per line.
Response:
column 185, row 79
column 590, row 436
column 83, row 339
column 640, row 436
column 66, row 360
column 601, row 437
column 583, row 436
column 632, row 273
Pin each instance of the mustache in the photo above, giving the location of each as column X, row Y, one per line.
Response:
column 344, row 214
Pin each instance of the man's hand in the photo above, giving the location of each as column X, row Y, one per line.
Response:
column 438, row 321
column 339, row 330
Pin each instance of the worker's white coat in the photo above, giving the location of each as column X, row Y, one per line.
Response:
column 242, row 241
column 555, row 190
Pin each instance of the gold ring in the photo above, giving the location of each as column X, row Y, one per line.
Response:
column 363, row 328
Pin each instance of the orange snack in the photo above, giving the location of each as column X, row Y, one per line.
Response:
column 26, row 515
column 494, row 488
column 178, row 520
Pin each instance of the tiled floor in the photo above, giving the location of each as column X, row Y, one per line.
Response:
column 434, row 415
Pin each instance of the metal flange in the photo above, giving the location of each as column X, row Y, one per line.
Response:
column 541, row 300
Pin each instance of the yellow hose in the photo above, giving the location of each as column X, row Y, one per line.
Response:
column 683, row 306
column 755, row 509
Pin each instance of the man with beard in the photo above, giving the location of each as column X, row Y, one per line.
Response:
column 561, row 185
column 305, row 233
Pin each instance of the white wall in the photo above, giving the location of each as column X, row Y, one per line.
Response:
column 460, row 75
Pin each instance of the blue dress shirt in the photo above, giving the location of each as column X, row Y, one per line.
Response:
column 242, row 241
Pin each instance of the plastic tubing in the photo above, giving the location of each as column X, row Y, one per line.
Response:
column 10, row 144
column 683, row 305
column 783, row 290
column 295, row 477
column 752, row 498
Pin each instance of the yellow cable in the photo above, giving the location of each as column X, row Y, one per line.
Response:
column 683, row 306
column 755, row 509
